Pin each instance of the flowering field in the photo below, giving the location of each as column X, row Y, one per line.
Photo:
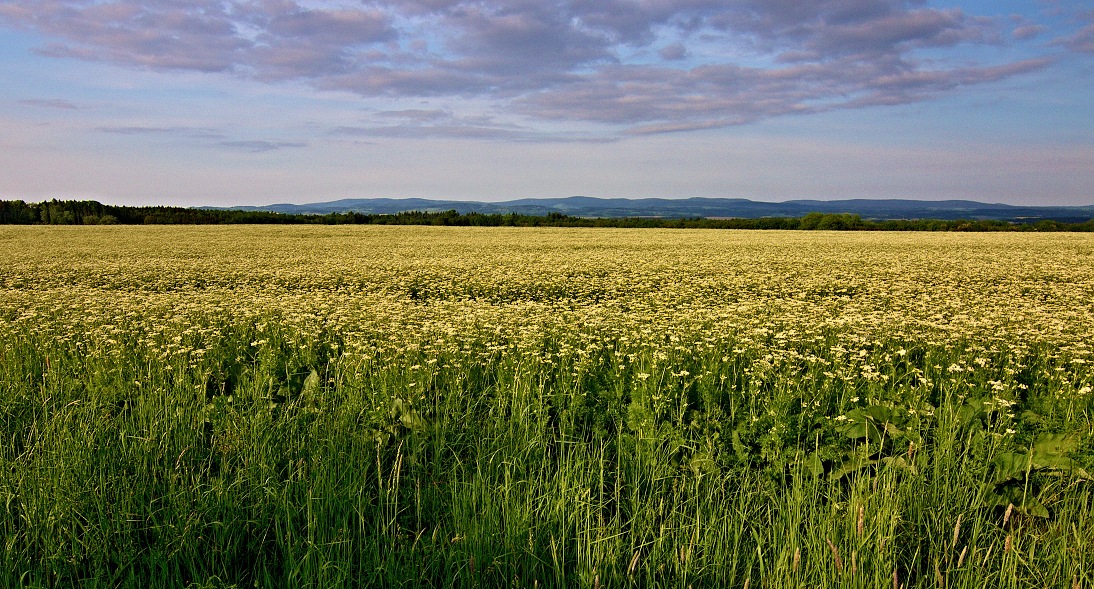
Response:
column 458, row 407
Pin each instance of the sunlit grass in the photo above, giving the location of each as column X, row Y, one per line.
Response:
column 385, row 406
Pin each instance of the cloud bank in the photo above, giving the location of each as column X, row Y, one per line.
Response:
column 640, row 66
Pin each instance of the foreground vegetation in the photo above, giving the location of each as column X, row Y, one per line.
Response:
column 72, row 212
column 462, row 407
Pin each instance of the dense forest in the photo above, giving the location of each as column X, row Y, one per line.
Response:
column 70, row 212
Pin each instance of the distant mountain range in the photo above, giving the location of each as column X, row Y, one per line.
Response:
column 584, row 206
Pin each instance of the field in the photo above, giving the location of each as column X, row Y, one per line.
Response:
column 463, row 407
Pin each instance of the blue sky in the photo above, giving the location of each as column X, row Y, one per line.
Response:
column 258, row 101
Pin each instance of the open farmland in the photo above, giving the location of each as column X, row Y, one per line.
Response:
column 460, row 407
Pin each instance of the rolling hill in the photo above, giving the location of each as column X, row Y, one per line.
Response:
column 584, row 206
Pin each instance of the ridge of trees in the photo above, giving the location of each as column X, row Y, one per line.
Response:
column 88, row 212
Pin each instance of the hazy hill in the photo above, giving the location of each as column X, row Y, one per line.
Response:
column 584, row 206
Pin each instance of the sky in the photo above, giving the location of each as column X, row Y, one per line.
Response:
column 248, row 102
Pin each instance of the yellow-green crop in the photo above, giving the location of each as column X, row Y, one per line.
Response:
column 374, row 406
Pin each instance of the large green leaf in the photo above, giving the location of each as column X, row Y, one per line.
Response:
column 1010, row 466
column 1055, row 445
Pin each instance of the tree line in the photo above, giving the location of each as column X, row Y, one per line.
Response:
column 89, row 212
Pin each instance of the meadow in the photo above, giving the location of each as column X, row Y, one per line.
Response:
column 329, row 406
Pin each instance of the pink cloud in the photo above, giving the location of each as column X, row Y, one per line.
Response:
column 555, row 60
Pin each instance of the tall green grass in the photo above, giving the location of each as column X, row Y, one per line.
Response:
column 497, row 465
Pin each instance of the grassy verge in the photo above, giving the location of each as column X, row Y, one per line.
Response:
column 493, row 466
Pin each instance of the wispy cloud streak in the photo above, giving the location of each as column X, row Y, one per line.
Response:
column 1083, row 40
column 50, row 103
column 260, row 146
